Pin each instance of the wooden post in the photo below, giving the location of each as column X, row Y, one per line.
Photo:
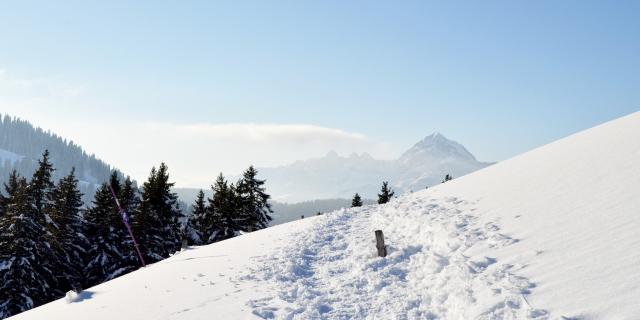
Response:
column 382, row 249
column 185, row 244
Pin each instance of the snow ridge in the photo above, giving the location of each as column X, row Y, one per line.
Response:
column 331, row 271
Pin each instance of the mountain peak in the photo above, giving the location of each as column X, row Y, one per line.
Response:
column 437, row 136
column 436, row 147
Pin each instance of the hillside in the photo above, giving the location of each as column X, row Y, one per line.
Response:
column 334, row 176
column 550, row 234
column 22, row 145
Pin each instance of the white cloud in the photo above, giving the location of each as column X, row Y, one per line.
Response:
column 195, row 153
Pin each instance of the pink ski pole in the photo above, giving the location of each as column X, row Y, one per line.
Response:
column 125, row 220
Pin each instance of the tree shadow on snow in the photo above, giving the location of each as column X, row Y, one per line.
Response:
column 83, row 295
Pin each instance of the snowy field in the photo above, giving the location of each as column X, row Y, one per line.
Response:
column 551, row 234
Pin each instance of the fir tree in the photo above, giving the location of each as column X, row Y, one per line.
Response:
column 26, row 278
column 128, row 197
column 41, row 185
column 111, row 252
column 385, row 194
column 222, row 221
column 157, row 220
column 195, row 227
column 254, row 205
column 65, row 212
column 357, row 201
column 41, row 193
column 10, row 188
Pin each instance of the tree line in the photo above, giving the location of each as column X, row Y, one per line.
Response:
column 25, row 143
column 51, row 243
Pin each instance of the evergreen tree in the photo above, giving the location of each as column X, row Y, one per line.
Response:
column 111, row 252
column 254, row 205
column 41, row 186
column 195, row 227
column 41, row 193
column 157, row 220
column 222, row 220
column 357, row 201
column 26, row 276
column 10, row 188
column 385, row 194
column 128, row 197
column 447, row 178
column 65, row 212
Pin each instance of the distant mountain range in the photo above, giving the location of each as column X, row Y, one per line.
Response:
column 332, row 176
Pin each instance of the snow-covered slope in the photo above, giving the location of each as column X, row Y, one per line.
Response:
column 9, row 157
column 424, row 164
column 550, row 234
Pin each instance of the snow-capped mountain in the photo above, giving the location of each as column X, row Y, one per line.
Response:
column 426, row 163
column 333, row 176
column 435, row 148
column 550, row 234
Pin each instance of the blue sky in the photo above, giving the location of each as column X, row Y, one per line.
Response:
column 501, row 77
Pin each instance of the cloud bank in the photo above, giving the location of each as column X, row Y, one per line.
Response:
column 195, row 152
column 198, row 152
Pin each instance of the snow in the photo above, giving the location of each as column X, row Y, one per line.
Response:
column 6, row 264
column 550, row 234
column 10, row 157
column 424, row 164
column 71, row 297
column 334, row 273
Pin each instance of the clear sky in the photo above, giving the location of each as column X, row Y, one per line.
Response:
column 225, row 84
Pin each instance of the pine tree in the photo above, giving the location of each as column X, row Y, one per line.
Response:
column 195, row 228
column 157, row 221
column 10, row 188
column 13, row 185
column 41, row 185
column 26, row 278
column 254, row 205
column 65, row 212
column 447, row 178
column 357, row 201
column 222, row 219
column 385, row 194
column 111, row 252
column 41, row 193
column 128, row 197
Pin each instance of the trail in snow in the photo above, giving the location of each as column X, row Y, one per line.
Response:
column 332, row 271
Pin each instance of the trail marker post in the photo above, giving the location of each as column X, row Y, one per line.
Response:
column 382, row 249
